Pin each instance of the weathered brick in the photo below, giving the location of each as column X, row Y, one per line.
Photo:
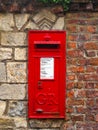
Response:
column 77, row 118
column 95, row 37
column 91, row 29
column 74, row 102
column 76, row 69
column 6, row 123
column 70, row 85
column 75, row 53
column 96, row 118
column 71, row 28
column 91, row 46
column 12, row 91
column 70, row 94
column 20, row 122
column 93, row 61
column 90, row 69
column 80, row 94
column 88, row 77
column 84, row 37
column 72, row 37
column 16, row 72
column 13, row 39
column 89, row 85
column 89, row 117
column 91, row 94
column 90, row 102
column 90, row 53
column 71, row 77
column 71, row 45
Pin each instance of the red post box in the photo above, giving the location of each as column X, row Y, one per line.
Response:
column 46, row 74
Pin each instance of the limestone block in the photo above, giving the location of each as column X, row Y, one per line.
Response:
column 2, row 107
column 20, row 54
column 6, row 22
column 44, row 19
column 17, row 108
column 13, row 39
column 2, row 72
column 31, row 25
column 21, row 19
column 40, row 123
column 59, row 25
column 12, row 91
column 5, row 53
column 20, row 122
column 16, row 72
column 6, row 123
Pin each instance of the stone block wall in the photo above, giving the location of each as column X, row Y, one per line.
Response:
column 82, row 70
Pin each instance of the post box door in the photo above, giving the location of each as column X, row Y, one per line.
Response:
column 46, row 99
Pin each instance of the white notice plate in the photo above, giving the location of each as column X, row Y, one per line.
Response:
column 46, row 68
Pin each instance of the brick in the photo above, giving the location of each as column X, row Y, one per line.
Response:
column 13, row 39
column 90, row 69
column 91, row 46
column 84, row 37
column 89, row 86
column 91, row 94
column 74, row 102
column 71, row 45
column 90, row 53
column 70, row 85
column 71, row 77
column 2, row 72
column 76, row 69
column 20, row 54
column 81, row 110
column 70, row 110
column 12, row 91
column 80, row 94
column 71, row 28
column 82, row 28
column 16, row 72
column 96, row 117
column 91, row 29
column 72, row 37
column 6, row 22
column 70, row 94
column 77, row 118
column 89, row 117
column 88, row 77
column 5, row 53
column 90, row 102
column 93, row 61
column 75, row 53
column 95, row 37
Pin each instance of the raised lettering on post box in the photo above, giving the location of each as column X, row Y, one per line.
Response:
column 46, row 74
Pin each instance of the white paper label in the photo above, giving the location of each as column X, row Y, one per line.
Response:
column 46, row 68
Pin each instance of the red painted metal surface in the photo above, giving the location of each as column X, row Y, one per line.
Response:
column 46, row 74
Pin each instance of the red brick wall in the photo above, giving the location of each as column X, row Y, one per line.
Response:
column 82, row 71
